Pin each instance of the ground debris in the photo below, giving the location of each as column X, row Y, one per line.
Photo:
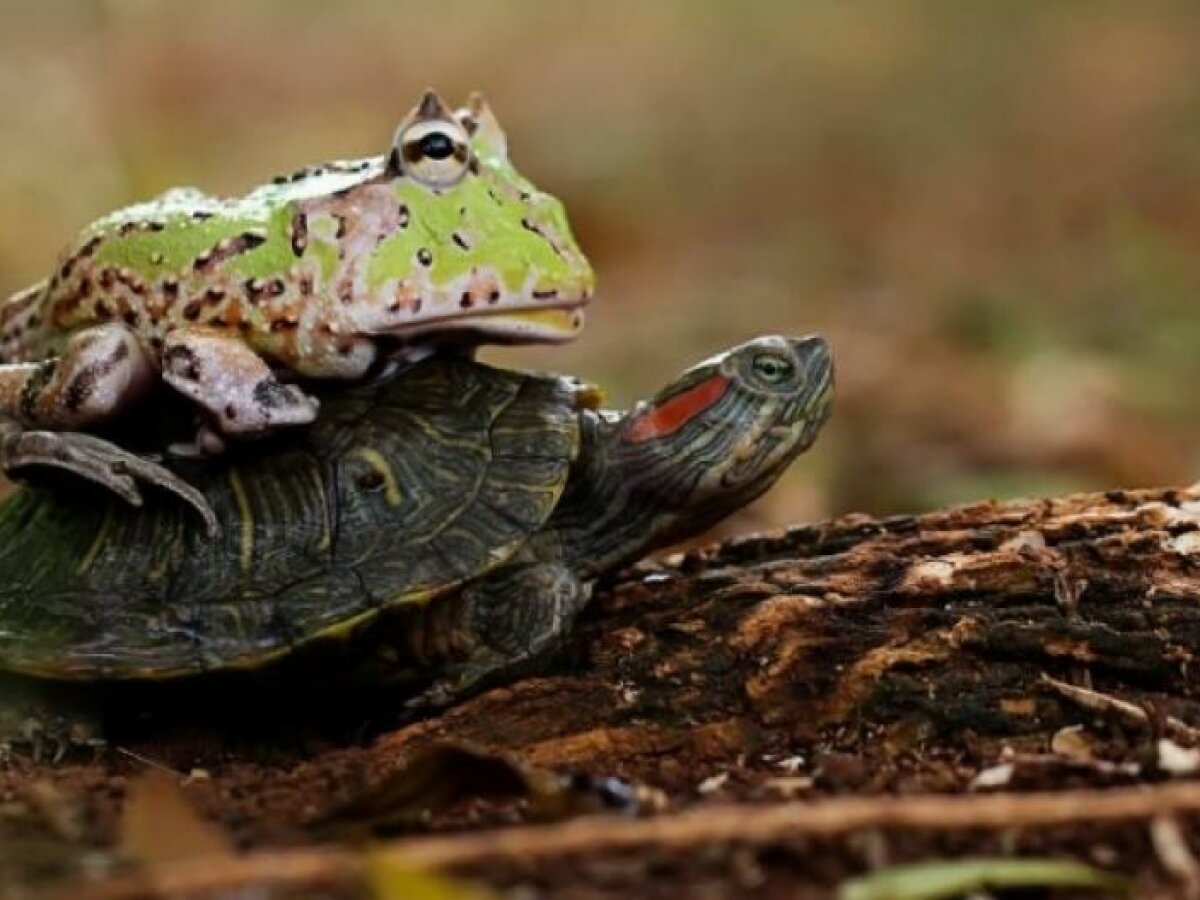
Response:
column 159, row 825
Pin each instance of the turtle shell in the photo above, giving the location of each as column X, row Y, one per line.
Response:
column 402, row 491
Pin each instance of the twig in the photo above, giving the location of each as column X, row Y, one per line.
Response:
column 1129, row 713
column 147, row 761
column 206, row 875
column 1173, row 853
column 708, row 824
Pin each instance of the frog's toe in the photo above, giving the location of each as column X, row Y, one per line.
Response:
column 68, row 451
column 268, row 405
column 129, row 464
column 103, row 463
column 234, row 385
column 278, row 404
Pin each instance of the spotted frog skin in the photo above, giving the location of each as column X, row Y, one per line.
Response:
column 320, row 274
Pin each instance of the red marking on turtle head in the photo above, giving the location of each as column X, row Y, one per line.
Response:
column 673, row 413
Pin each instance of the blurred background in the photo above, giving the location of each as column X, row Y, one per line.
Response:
column 992, row 209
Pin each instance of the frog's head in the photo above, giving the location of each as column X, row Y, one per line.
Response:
column 490, row 256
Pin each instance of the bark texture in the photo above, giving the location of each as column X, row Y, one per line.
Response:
column 915, row 629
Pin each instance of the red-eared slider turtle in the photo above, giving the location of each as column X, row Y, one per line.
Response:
column 452, row 519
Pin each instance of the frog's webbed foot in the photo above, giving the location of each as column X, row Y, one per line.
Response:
column 44, row 407
column 99, row 461
column 232, row 383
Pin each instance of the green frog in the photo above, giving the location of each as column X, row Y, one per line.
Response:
column 327, row 273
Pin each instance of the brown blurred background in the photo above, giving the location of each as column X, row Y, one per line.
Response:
column 991, row 208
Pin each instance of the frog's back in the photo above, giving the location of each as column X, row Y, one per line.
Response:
column 439, row 234
column 399, row 494
column 242, row 264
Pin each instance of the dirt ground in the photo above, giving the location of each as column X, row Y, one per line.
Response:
column 766, row 718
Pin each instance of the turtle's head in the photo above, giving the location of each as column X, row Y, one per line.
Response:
column 725, row 430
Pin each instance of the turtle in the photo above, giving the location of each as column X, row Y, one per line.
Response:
column 442, row 526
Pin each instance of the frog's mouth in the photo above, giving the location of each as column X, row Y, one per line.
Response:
column 545, row 324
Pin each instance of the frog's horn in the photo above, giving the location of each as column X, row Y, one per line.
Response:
column 482, row 125
column 430, row 107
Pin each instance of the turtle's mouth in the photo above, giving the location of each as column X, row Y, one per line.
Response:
column 549, row 322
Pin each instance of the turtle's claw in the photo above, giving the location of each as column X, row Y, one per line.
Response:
column 457, row 682
column 48, row 739
column 101, row 462
column 42, row 724
column 433, row 699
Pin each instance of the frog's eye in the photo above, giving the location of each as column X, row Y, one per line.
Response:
column 437, row 154
column 773, row 368
column 431, row 145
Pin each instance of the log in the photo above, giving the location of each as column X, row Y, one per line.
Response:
column 1040, row 647
column 951, row 627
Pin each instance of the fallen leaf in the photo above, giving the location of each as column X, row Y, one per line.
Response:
column 791, row 764
column 790, row 786
column 388, row 879
column 158, row 825
column 442, row 776
column 1177, row 760
column 993, row 777
column 935, row 880
column 713, row 783
column 1072, row 742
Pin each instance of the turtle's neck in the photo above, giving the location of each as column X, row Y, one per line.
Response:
column 612, row 511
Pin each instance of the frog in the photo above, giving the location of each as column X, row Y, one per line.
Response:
column 330, row 272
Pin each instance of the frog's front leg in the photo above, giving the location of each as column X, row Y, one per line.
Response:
column 102, row 369
column 222, row 374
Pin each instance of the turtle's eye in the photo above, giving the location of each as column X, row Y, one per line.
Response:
column 773, row 368
column 434, row 153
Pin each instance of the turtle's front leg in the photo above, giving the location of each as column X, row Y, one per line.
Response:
column 101, row 370
column 43, row 723
column 506, row 624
